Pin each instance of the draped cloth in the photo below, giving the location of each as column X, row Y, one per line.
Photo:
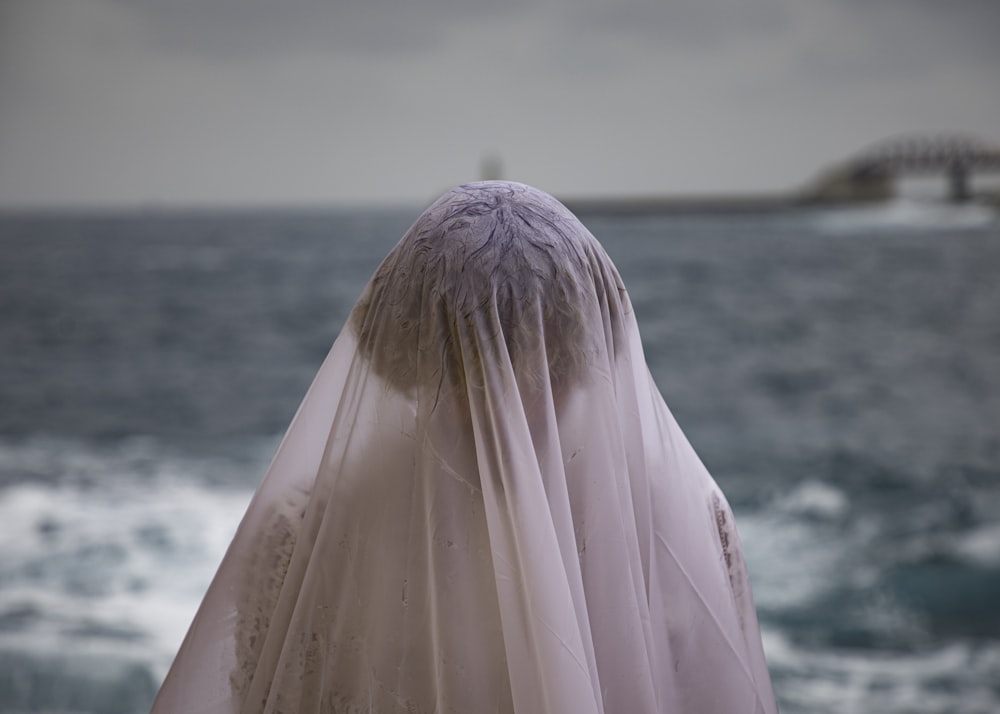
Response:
column 482, row 505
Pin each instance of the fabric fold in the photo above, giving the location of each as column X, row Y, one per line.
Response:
column 483, row 504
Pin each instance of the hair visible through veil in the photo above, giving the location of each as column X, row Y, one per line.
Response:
column 478, row 247
column 482, row 504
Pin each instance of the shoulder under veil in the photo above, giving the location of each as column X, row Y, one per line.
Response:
column 482, row 505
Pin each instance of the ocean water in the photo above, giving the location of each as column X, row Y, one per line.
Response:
column 837, row 370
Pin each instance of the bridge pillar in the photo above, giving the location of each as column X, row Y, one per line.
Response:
column 958, row 183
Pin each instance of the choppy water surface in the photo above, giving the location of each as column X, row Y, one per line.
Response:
column 838, row 371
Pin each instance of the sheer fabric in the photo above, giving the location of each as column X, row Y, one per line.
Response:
column 482, row 505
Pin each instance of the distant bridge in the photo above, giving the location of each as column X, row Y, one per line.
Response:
column 872, row 173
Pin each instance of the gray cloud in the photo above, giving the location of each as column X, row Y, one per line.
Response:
column 831, row 39
column 688, row 24
column 255, row 27
column 904, row 37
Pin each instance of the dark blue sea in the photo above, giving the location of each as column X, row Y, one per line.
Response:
column 837, row 370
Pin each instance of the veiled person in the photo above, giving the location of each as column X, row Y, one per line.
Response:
column 482, row 505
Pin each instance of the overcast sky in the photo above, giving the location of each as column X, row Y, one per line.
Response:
column 180, row 102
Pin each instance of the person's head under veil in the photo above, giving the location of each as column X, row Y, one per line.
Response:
column 483, row 504
column 501, row 261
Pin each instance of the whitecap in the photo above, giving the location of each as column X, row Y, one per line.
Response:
column 904, row 214
column 815, row 499
column 108, row 562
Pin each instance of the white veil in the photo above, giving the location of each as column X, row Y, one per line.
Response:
column 482, row 505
